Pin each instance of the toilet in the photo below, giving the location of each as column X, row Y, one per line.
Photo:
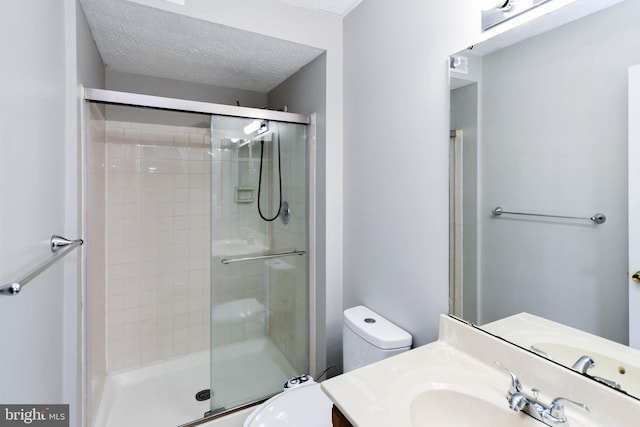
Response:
column 367, row 337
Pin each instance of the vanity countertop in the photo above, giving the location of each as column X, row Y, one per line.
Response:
column 454, row 381
column 381, row 394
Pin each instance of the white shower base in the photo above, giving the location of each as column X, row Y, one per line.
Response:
column 163, row 394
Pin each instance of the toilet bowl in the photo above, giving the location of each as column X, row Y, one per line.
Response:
column 367, row 337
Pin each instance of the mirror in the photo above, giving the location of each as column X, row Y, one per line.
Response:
column 541, row 128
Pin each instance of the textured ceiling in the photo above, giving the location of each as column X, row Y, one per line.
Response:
column 138, row 39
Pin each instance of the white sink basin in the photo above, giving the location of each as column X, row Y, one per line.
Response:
column 454, row 392
column 460, row 397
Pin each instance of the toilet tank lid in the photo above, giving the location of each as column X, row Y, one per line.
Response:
column 375, row 329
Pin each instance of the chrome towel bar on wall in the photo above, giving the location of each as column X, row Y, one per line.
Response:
column 598, row 218
column 59, row 246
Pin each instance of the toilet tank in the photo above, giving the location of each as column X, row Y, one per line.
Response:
column 368, row 337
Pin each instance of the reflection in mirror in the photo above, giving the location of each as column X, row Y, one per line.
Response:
column 544, row 127
column 603, row 360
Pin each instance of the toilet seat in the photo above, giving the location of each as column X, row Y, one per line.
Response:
column 305, row 405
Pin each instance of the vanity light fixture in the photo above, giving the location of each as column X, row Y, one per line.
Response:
column 496, row 12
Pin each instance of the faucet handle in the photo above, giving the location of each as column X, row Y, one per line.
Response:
column 516, row 386
column 518, row 401
column 556, row 408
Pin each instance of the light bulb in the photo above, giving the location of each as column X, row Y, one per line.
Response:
column 259, row 126
column 252, row 127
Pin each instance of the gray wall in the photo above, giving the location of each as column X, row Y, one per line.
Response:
column 174, row 89
column 396, row 156
column 305, row 92
column 183, row 90
column 554, row 113
column 91, row 71
column 33, row 131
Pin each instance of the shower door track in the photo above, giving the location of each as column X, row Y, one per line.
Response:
column 183, row 105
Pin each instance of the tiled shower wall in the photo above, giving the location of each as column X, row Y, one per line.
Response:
column 157, row 244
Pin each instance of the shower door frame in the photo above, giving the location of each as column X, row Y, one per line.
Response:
column 183, row 105
column 105, row 96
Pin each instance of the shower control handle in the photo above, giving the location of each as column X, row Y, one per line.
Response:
column 285, row 212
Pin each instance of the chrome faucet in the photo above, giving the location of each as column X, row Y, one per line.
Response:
column 584, row 363
column 552, row 414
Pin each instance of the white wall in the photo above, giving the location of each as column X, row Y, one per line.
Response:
column 396, row 156
column 33, row 131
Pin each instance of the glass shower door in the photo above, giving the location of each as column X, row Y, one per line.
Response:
column 259, row 280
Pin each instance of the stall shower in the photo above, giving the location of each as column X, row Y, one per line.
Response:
column 197, row 261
